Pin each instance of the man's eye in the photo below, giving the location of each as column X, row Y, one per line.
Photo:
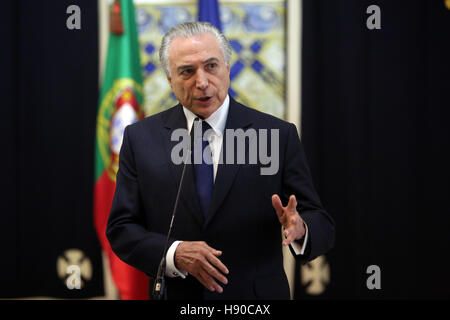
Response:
column 186, row 72
column 212, row 65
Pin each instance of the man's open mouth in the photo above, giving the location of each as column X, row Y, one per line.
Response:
column 204, row 99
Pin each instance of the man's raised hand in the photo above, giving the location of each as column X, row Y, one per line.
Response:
column 294, row 228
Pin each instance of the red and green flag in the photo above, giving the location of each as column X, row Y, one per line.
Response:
column 120, row 104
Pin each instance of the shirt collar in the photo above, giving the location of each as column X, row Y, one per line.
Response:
column 216, row 120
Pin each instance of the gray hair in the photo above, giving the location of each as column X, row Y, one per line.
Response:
column 187, row 30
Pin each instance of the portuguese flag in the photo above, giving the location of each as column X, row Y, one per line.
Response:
column 120, row 105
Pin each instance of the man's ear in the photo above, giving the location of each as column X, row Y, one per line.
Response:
column 169, row 80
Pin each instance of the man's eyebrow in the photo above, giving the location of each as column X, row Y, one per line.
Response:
column 184, row 67
column 212, row 59
column 189, row 66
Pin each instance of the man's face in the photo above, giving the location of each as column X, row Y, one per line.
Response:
column 199, row 76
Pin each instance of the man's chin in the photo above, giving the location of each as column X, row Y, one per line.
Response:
column 204, row 111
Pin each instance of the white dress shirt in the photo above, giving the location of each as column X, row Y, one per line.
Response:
column 217, row 122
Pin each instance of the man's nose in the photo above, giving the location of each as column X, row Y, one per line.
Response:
column 201, row 81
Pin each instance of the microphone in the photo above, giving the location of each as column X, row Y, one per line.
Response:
column 158, row 292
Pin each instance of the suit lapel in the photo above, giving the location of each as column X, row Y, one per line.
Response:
column 188, row 197
column 237, row 118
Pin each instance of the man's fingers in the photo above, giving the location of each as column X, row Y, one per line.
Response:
column 205, row 280
column 290, row 236
column 292, row 205
column 290, row 209
column 201, row 261
column 213, row 272
column 212, row 263
column 211, row 284
column 203, row 275
column 216, row 261
column 278, row 206
column 217, row 264
column 295, row 232
column 209, row 267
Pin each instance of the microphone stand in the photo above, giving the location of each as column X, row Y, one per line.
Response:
column 159, row 288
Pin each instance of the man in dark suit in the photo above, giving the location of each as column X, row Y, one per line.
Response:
column 226, row 241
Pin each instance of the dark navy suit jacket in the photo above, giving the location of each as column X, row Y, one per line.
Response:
column 241, row 221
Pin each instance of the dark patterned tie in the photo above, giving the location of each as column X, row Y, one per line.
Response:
column 203, row 167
